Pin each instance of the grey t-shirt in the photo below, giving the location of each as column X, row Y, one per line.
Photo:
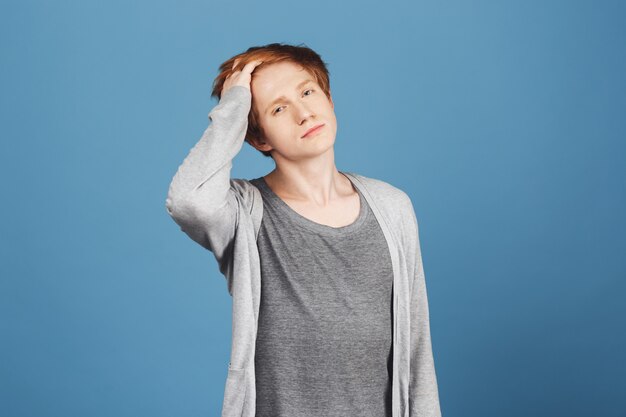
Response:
column 324, row 341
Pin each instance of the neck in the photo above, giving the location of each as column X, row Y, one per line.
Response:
column 319, row 183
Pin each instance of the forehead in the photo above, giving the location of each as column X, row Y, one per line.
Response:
column 277, row 79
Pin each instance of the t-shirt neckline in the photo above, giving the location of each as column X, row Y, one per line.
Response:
column 306, row 223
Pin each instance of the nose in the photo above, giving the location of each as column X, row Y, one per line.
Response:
column 303, row 112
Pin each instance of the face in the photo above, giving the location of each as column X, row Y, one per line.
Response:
column 289, row 102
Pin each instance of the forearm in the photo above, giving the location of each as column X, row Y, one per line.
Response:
column 202, row 181
column 199, row 197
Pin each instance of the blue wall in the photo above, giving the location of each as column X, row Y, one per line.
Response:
column 505, row 122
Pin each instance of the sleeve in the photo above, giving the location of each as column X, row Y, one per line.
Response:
column 200, row 198
column 423, row 390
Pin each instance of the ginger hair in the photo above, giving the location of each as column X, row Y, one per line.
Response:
column 270, row 54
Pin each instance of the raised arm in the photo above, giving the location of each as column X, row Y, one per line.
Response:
column 200, row 198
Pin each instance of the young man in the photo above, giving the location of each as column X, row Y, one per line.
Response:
column 330, row 312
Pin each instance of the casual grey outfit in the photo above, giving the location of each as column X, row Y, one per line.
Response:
column 324, row 336
column 225, row 216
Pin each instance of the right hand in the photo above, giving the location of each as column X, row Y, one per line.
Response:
column 241, row 77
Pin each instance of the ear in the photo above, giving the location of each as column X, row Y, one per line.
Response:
column 260, row 144
column 330, row 97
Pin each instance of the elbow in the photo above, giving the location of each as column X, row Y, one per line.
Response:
column 186, row 211
column 169, row 206
column 186, row 215
column 177, row 208
column 178, row 202
column 193, row 208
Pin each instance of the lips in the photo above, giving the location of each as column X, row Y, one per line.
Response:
column 313, row 130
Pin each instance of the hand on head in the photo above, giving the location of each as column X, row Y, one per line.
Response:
column 241, row 77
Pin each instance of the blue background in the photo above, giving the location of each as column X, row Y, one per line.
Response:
column 504, row 121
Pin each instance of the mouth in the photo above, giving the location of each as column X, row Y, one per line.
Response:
column 312, row 131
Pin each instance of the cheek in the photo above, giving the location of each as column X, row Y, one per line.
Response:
column 276, row 129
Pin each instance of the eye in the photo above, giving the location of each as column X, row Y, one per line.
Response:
column 278, row 108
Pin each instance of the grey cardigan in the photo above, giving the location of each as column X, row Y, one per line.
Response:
column 224, row 215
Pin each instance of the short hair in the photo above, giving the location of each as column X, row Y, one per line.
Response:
column 270, row 54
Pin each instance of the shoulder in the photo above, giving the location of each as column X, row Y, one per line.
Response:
column 245, row 191
column 249, row 199
column 242, row 186
column 385, row 193
column 396, row 206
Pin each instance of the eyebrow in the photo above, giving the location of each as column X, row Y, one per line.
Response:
column 281, row 98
